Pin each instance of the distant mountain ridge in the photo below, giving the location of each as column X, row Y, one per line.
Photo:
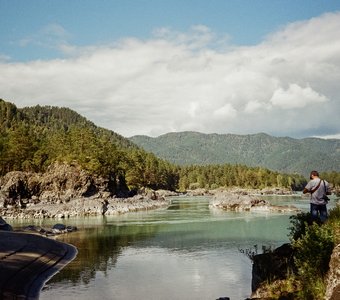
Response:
column 283, row 154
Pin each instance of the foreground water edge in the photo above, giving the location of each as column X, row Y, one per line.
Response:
column 185, row 251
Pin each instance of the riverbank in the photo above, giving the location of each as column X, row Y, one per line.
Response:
column 241, row 191
column 103, row 204
column 307, row 268
column 80, row 207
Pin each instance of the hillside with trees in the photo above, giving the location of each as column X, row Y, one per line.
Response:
column 282, row 154
column 34, row 138
column 31, row 139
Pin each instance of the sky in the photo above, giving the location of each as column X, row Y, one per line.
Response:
column 155, row 66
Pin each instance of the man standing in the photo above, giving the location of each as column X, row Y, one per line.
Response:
column 318, row 190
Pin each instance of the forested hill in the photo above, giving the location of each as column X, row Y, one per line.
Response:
column 33, row 139
column 282, row 154
column 54, row 119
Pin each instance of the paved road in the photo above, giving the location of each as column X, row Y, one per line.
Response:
column 27, row 261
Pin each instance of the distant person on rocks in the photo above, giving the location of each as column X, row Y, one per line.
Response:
column 318, row 189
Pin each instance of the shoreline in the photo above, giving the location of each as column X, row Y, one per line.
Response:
column 83, row 207
column 99, row 205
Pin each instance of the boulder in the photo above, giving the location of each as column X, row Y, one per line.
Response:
column 237, row 202
column 59, row 227
column 4, row 225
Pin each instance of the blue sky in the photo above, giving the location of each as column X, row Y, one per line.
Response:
column 90, row 22
column 150, row 67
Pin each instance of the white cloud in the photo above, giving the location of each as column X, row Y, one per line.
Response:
column 225, row 112
column 255, row 106
column 296, row 97
column 331, row 136
column 185, row 81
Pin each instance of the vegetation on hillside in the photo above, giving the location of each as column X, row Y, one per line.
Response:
column 282, row 154
column 33, row 138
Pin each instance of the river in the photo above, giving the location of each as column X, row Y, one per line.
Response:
column 187, row 251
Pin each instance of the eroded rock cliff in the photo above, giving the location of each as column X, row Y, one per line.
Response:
column 60, row 183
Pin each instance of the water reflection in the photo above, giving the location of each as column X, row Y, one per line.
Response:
column 98, row 250
column 186, row 251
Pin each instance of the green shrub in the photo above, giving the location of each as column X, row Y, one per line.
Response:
column 334, row 222
column 334, row 214
column 313, row 250
column 299, row 223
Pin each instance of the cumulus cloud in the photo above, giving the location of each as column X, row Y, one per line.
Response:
column 286, row 85
column 296, row 97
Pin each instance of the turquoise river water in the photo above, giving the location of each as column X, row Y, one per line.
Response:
column 185, row 251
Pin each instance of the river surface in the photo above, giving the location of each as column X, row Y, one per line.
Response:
column 186, row 251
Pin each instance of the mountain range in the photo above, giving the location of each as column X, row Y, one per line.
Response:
column 283, row 154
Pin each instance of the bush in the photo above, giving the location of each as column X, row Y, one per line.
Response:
column 299, row 223
column 334, row 223
column 334, row 214
column 313, row 250
column 313, row 244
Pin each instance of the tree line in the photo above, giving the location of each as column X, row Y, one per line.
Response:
column 31, row 139
column 332, row 177
column 227, row 175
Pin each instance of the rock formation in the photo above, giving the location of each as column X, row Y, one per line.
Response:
column 244, row 202
column 333, row 276
column 272, row 265
column 67, row 190
column 60, row 183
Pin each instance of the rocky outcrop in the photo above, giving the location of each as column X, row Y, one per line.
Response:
column 244, row 202
column 60, row 183
column 85, row 207
column 55, row 230
column 273, row 265
column 68, row 191
column 333, row 276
